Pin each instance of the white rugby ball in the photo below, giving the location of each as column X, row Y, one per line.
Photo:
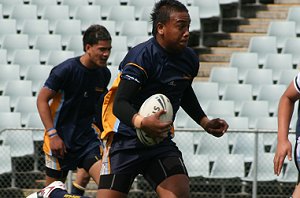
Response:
column 152, row 105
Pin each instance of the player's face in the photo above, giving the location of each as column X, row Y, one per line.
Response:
column 99, row 53
column 175, row 33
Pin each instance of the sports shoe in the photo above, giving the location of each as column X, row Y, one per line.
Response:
column 45, row 192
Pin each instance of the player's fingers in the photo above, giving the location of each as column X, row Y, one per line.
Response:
column 289, row 154
column 160, row 112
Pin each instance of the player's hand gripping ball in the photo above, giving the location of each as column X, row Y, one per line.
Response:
column 152, row 105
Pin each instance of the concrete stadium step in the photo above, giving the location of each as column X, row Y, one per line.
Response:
column 271, row 14
column 205, row 68
column 287, row 1
column 214, row 57
column 233, row 43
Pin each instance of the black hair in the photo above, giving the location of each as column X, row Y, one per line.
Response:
column 94, row 34
column 162, row 10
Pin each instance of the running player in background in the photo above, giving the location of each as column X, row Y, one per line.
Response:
column 284, row 146
column 163, row 64
column 67, row 106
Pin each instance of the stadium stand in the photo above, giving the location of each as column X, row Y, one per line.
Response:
column 227, row 45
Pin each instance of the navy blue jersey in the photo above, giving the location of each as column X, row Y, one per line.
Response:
column 79, row 91
column 158, row 71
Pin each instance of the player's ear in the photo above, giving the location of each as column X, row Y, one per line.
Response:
column 160, row 28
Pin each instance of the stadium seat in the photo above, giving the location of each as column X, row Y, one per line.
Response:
column 25, row 105
column 195, row 16
column 264, row 169
column 5, row 158
column 228, row 166
column 121, row 14
column 290, row 175
column 294, row 15
column 244, row 144
column 20, row 142
column 253, row 110
column 17, row 88
column 34, row 121
column 286, row 76
column 140, row 39
column 4, row 104
column 268, row 128
column 58, row 56
column 132, row 29
column 272, row 94
column 109, row 25
column 83, row 13
column 116, row 57
column 74, row 5
column 220, row 108
column 146, row 16
column 114, row 73
column 237, row 93
column 37, row 74
column 282, row 30
column 67, row 28
column 1, row 12
column 262, row 45
column 41, row 5
column 9, row 120
column 22, row 12
column 46, row 43
column 8, row 73
column 197, row 165
column 257, row 78
column 13, row 42
column 53, row 13
column 25, row 58
column 8, row 26
column 7, row 6
column 106, row 6
column 3, row 56
column 185, row 142
column 212, row 146
column 278, row 62
column 119, row 43
column 292, row 47
column 211, row 90
column 139, row 5
column 243, row 61
column 224, row 76
column 236, row 125
column 75, row 44
column 208, row 9
column 33, row 28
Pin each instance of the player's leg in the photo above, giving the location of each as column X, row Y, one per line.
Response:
column 114, row 185
column 53, row 170
column 80, row 183
column 168, row 176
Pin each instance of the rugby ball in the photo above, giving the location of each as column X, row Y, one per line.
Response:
column 152, row 105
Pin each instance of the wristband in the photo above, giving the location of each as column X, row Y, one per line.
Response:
column 137, row 121
column 51, row 129
column 52, row 135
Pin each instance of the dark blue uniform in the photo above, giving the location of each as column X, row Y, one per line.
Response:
column 79, row 92
column 157, row 71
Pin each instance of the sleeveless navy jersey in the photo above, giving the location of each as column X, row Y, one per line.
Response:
column 79, row 92
column 158, row 71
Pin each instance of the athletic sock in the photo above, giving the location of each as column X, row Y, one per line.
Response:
column 77, row 189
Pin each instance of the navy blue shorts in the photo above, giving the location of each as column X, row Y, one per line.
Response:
column 127, row 158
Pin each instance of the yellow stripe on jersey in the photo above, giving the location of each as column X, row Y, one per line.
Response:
column 54, row 108
column 109, row 120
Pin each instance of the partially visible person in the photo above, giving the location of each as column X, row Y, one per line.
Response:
column 80, row 183
column 68, row 105
column 163, row 64
column 55, row 189
column 284, row 146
